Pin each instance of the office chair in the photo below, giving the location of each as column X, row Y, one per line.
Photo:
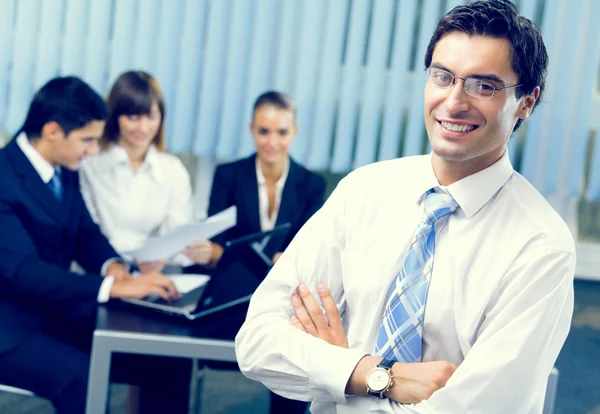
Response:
column 551, row 392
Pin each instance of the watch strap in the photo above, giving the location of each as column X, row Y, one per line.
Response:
column 386, row 363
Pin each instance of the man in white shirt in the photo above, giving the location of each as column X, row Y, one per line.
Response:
column 46, row 311
column 452, row 274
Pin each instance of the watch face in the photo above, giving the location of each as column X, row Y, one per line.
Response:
column 378, row 379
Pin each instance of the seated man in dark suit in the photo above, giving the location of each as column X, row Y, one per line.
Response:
column 46, row 311
column 269, row 188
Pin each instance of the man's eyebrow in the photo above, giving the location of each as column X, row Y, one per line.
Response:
column 483, row 76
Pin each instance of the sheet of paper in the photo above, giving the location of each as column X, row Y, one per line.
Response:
column 187, row 282
column 172, row 243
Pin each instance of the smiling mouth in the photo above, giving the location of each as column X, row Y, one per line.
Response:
column 457, row 127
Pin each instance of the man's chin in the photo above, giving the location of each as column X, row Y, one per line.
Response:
column 72, row 166
column 447, row 153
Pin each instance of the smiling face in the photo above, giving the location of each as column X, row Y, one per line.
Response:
column 468, row 134
column 138, row 131
column 273, row 130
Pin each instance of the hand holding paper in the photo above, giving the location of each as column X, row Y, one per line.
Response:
column 174, row 242
column 200, row 252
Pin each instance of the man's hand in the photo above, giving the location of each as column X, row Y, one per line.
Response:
column 412, row 382
column 310, row 318
column 155, row 266
column 145, row 285
column 416, row 382
column 200, row 252
column 118, row 270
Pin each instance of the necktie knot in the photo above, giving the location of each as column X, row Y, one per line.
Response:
column 438, row 205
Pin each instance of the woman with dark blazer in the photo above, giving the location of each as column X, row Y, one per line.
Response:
column 268, row 188
column 236, row 184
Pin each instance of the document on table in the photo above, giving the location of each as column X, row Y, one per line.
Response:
column 172, row 243
column 187, row 282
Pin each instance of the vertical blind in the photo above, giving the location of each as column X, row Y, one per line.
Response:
column 354, row 67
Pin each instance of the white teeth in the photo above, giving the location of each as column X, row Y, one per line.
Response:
column 456, row 127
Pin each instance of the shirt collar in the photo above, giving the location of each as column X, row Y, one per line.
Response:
column 260, row 177
column 119, row 156
column 43, row 167
column 472, row 192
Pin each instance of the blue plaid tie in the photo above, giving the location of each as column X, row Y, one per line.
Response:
column 401, row 334
column 55, row 185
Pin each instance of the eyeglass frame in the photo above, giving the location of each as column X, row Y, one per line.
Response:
column 454, row 77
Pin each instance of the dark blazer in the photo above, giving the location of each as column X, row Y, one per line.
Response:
column 39, row 237
column 235, row 184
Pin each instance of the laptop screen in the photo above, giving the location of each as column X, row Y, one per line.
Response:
column 242, row 268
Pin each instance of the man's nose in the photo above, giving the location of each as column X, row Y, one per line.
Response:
column 457, row 100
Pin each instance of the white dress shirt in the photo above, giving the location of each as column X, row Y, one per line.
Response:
column 46, row 171
column 268, row 223
column 500, row 299
column 132, row 206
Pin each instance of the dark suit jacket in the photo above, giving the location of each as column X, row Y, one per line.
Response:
column 235, row 184
column 39, row 237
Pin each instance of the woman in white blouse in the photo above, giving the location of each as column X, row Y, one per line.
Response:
column 133, row 188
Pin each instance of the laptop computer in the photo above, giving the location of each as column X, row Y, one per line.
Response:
column 240, row 270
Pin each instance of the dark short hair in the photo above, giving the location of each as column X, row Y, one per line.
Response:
column 133, row 93
column 500, row 19
column 276, row 99
column 68, row 101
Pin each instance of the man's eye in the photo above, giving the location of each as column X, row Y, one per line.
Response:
column 443, row 77
column 283, row 132
column 263, row 131
column 485, row 87
column 133, row 117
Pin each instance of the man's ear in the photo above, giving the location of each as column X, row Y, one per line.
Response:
column 527, row 102
column 52, row 131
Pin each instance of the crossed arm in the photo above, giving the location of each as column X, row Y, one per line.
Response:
column 412, row 383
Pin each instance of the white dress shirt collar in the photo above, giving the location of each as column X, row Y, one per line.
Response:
column 43, row 167
column 472, row 192
column 119, row 156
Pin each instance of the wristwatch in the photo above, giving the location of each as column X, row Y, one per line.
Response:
column 379, row 379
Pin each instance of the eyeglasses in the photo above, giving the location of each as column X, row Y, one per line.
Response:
column 475, row 87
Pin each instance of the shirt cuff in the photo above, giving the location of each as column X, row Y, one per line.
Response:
column 335, row 381
column 111, row 261
column 105, row 287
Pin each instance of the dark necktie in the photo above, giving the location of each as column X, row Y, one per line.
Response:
column 55, row 185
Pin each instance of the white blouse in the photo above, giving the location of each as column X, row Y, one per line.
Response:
column 268, row 223
column 132, row 206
